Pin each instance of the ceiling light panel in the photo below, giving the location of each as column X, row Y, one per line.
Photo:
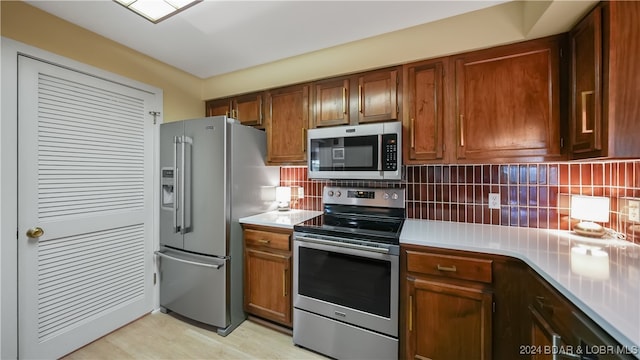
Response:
column 157, row 10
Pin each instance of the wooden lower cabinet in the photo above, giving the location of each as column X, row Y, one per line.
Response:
column 447, row 321
column 559, row 330
column 449, row 305
column 464, row 305
column 267, row 274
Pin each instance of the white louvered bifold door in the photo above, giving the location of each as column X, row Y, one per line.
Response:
column 85, row 178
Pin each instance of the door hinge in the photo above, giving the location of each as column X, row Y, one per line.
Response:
column 494, row 307
column 561, row 143
column 155, row 115
column 154, row 278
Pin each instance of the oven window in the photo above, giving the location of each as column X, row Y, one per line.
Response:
column 352, row 281
column 358, row 153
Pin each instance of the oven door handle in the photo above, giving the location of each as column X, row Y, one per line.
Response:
column 344, row 245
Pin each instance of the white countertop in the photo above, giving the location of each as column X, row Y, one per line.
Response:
column 281, row 219
column 611, row 299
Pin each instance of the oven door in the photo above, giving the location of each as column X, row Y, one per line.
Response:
column 347, row 284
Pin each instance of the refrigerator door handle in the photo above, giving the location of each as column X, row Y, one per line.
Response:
column 176, row 182
column 185, row 196
column 213, row 266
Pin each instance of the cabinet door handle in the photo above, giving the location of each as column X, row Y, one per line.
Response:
column 344, row 100
column 411, row 133
column 304, row 140
column 263, row 241
column 585, row 94
column 461, row 130
column 447, row 268
column 284, row 282
column 410, row 313
column 360, row 98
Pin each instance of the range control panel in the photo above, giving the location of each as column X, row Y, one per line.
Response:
column 392, row 198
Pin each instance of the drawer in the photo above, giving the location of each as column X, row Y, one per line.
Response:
column 457, row 267
column 268, row 239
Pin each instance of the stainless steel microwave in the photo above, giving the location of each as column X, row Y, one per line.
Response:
column 360, row 152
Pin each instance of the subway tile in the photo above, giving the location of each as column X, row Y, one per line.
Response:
column 446, row 212
column 553, row 174
column 598, row 174
column 446, row 174
column 477, row 174
column 504, row 174
column 523, row 173
column 504, row 216
column 513, row 174
column 533, row 195
column 542, row 174
column 469, row 174
column 494, row 216
column 453, row 193
column 586, row 175
column 523, row 195
column 533, row 214
column 575, row 170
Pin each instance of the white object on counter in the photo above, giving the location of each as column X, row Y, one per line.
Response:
column 282, row 219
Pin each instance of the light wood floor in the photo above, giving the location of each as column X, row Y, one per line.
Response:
column 162, row 336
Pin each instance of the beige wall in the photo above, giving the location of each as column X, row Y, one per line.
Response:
column 29, row 25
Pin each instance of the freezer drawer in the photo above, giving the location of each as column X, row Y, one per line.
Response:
column 194, row 286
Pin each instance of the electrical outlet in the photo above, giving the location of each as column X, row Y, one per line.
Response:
column 494, row 201
column 634, row 210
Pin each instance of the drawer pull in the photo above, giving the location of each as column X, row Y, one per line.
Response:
column 447, row 268
column 263, row 241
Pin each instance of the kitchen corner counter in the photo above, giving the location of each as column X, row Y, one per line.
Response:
column 280, row 219
column 607, row 289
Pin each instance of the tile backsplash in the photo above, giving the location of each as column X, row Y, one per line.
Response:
column 531, row 195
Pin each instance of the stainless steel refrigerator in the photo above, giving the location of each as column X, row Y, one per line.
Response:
column 212, row 174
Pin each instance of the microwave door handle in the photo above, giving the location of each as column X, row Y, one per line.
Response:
column 380, row 152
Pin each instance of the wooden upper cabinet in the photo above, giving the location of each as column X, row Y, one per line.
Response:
column 586, row 127
column 378, row 96
column 331, row 106
column 248, row 109
column 621, row 78
column 287, row 120
column 423, row 98
column 508, row 102
column 218, row 107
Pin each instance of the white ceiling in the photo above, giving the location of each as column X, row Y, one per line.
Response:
column 218, row 37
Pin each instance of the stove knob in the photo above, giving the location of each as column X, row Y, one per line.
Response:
column 386, row 196
column 330, row 193
column 394, row 196
column 338, row 193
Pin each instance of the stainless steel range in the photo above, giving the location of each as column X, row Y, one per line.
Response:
column 346, row 274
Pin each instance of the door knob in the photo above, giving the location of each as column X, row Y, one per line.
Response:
column 35, row 232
